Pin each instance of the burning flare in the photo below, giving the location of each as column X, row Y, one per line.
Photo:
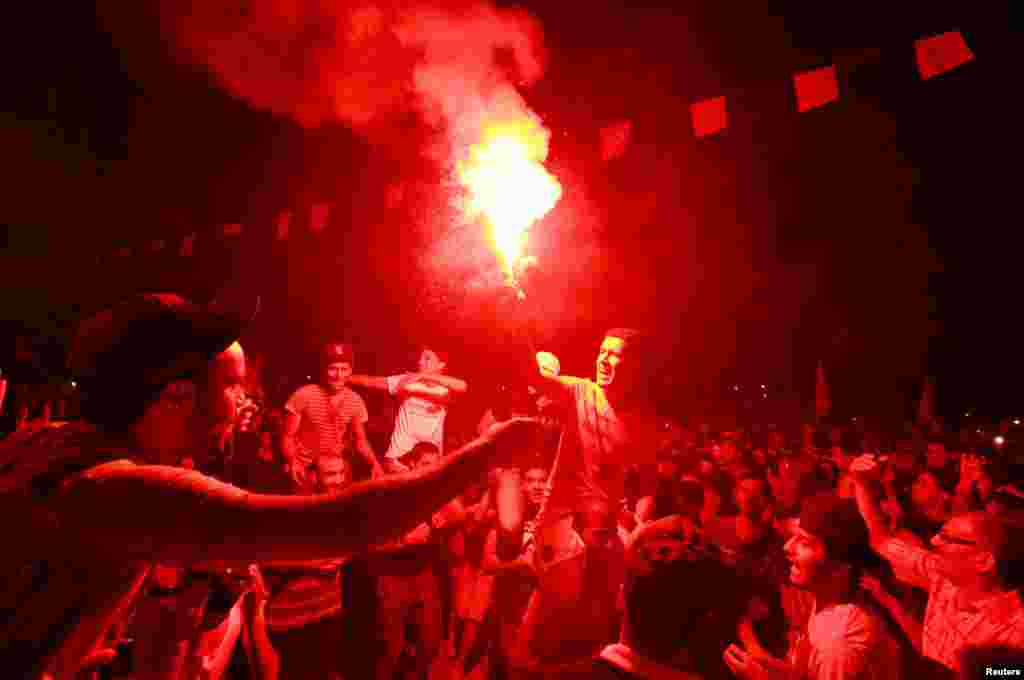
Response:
column 508, row 186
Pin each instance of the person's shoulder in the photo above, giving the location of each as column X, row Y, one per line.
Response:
column 351, row 395
column 306, row 392
column 849, row 622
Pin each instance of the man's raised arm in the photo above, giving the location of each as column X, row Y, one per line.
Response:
column 550, row 381
column 177, row 516
column 865, row 472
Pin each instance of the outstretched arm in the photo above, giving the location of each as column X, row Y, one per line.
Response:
column 183, row 517
column 373, row 382
column 456, row 385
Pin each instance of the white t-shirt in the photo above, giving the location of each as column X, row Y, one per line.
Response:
column 418, row 419
column 847, row 642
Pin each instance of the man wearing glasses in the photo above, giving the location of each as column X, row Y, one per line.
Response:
column 972, row 574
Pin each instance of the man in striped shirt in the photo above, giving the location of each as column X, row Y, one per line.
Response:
column 321, row 418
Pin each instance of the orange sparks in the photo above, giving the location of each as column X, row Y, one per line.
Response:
column 508, row 186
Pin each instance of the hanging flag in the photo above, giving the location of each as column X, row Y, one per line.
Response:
column 186, row 245
column 926, row 408
column 123, row 252
column 822, row 394
column 157, row 246
column 318, row 216
column 615, row 138
column 941, row 53
column 284, row 223
column 231, row 230
column 815, row 88
column 709, row 116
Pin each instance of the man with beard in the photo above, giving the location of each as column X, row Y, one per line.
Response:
column 97, row 510
column 749, row 536
column 305, row 618
column 319, row 418
column 844, row 638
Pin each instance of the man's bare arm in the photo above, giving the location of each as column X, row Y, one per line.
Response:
column 456, row 385
column 181, row 517
column 289, row 432
column 549, row 380
column 865, row 473
column 374, row 382
column 364, row 448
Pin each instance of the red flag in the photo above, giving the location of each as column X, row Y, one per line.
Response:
column 941, row 53
column 318, row 216
column 123, row 252
column 284, row 223
column 615, row 138
column 816, row 88
column 231, row 229
column 822, row 394
column 709, row 116
column 186, row 245
column 157, row 246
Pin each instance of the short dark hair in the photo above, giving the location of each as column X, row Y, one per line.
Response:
column 441, row 353
column 708, row 595
column 633, row 336
column 420, row 449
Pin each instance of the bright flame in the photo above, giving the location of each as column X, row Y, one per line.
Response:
column 508, row 185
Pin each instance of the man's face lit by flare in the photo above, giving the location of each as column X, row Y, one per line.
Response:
column 610, row 359
column 807, row 558
column 534, row 482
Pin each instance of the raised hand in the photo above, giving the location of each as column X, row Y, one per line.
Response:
column 548, row 364
column 865, row 469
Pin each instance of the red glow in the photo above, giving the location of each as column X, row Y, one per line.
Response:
column 507, row 184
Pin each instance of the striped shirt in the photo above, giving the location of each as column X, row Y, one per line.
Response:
column 948, row 626
column 325, row 420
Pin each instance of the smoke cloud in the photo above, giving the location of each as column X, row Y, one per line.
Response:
column 453, row 63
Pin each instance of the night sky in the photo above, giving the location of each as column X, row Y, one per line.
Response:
column 878, row 234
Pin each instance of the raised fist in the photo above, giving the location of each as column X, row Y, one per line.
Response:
column 548, row 364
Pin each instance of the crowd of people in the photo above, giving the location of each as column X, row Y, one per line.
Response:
column 184, row 527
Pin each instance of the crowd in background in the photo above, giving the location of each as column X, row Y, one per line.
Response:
column 829, row 534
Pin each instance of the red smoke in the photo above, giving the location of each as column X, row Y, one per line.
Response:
column 316, row 60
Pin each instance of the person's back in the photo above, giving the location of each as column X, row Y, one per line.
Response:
column 62, row 586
